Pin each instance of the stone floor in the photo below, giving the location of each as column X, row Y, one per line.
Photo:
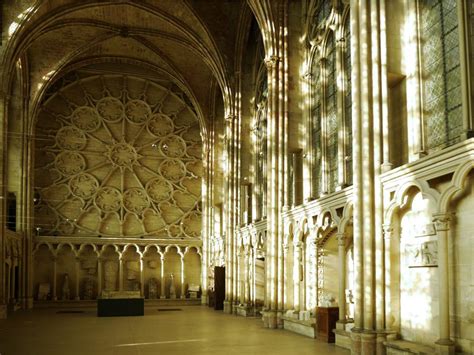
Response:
column 191, row 330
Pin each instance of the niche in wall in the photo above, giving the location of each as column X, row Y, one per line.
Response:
column 65, row 265
column 172, row 266
column 152, row 273
column 43, row 273
column 192, row 268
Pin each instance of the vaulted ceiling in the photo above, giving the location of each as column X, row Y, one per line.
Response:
column 191, row 42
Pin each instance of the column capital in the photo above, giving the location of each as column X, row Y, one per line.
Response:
column 387, row 231
column 441, row 221
column 272, row 61
column 341, row 239
column 308, row 76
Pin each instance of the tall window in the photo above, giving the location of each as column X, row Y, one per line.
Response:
column 331, row 114
column 316, row 127
column 261, row 111
column 442, row 109
column 348, row 98
column 331, row 125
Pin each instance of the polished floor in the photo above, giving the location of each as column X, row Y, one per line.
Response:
column 179, row 330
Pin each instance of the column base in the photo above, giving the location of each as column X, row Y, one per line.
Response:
column 445, row 347
column 355, row 341
column 228, row 307
column 368, row 343
column 343, row 333
column 270, row 319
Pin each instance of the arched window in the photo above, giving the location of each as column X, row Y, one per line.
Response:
column 331, row 104
column 261, row 113
column 442, row 111
column 316, row 127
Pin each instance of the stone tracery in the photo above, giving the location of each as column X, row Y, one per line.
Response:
column 121, row 159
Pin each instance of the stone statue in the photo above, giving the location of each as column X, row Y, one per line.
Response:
column 110, row 275
column 172, row 289
column 152, row 288
column 328, row 300
column 66, row 293
column 88, row 288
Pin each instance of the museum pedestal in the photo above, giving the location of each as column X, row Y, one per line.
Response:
column 326, row 318
column 120, row 307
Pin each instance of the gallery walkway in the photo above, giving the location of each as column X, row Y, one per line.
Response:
column 179, row 330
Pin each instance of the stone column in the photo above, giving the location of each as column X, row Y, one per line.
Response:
column 142, row 278
column 416, row 147
column 254, row 271
column 99, row 277
column 183, row 295
column 231, row 211
column 78, row 272
column 4, row 103
column 55, row 259
column 369, row 105
column 296, row 277
column 285, row 277
column 465, row 49
column 341, row 243
column 13, row 280
column 120, row 273
column 163, row 281
column 274, row 194
column 238, row 295
column 445, row 344
column 247, row 276
column 388, row 230
column 8, row 288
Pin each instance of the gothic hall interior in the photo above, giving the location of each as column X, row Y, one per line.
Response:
column 306, row 162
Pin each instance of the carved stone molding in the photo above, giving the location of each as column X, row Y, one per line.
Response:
column 387, row 231
column 272, row 61
column 341, row 239
column 441, row 222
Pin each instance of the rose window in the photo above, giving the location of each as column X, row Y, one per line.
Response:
column 118, row 156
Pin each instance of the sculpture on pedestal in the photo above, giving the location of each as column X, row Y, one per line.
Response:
column 88, row 288
column 110, row 275
column 172, row 289
column 66, row 293
column 153, row 288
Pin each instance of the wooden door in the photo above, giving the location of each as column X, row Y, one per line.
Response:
column 219, row 285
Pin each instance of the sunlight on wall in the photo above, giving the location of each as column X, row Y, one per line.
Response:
column 418, row 284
